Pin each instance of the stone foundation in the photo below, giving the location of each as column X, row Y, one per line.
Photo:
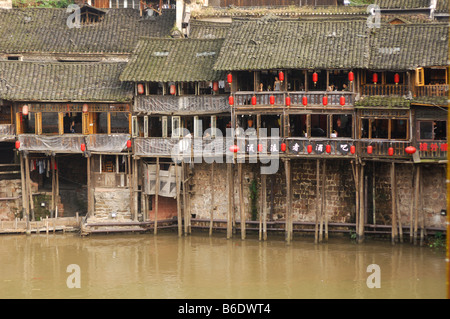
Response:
column 11, row 197
column 109, row 200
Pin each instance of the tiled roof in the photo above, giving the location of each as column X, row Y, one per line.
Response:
column 271, row 43
column 208, row 30
column 408, row 46
column 402, row 4
column 178, row 60
column 37, row 81
column 46, row 30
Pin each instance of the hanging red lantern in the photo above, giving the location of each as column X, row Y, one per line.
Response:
column 375, row 78
column 215, row 86
column 315, row 77
column 396, row 78
column 83, row 147
column 173, row 89
column 17, row 145
column 309, row 148
column 328, row 148
column 288, row 101
column 272, row 99
column 391, row 151
column 253, row 100
column 229, row 78
column 140, row 88
column 231, row 100
column 342, row 100
column 283, row 147
column 304, row 100
column 351, row 76
column 85, row 108
column 352, row 149
column 281, row 76
column 369, row 149
column 410, row 150
column 129, row 143
column 25, row 110
column 260, row 148
column 325, row 100
column 234, row 148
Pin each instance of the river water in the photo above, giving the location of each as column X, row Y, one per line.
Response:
column 199, row 266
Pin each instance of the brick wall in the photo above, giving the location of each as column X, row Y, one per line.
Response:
column 10, row 208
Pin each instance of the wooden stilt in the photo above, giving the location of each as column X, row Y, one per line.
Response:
column 324, row 198
column 399, row 218
column 422, row 216
column 135, row 190
column 25, row 207
column 230, row 200
column 355, row 170
column 130, row 185
column 411, row 209
column 90, row 212
column 287, row 166
column 57, row 186
column 52, row 168
column 416, row 202
column 360, row 235
column 241, row 201
column 263, row 212
column 316, row 230
column 29, row 189
column 179, row 220
column 185, row 210
column 322, row 203
column 393, row 200
column 212, row 200
column 155, row 229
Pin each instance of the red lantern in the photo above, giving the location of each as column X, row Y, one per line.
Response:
column 229, row 78
column 369, row 149
column 351, row 76
column 253, row 100
column 260, row 148
column 325, row 100
column 391, row 151
column 215, row 86
column 342, row 100
column 234, row 148
column 85, row 108
column 272, row 99
column 281, row 76
column 396, row 78
column 25, row 110
column 375, row 78
column 304, row 100
column 288, row 101
column 283, row 147
column 315, row 77
column 140, row 88
column 352, row 149
column 231, row 100
column 173, row 89
column 309, row 148
column 83, row 147
column 129, row 143
column 410, row 150
column 17, row 145
column 328, row 148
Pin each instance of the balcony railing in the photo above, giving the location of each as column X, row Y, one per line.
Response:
column 432, row 149
column 384, row 89
column 279, row 98
column 432, row 90
column 380, row 148
column 69, row 143
column 7, row 132
column 103, row 143
column 187, row 104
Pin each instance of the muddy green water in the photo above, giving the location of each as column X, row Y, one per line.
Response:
column 199, row 266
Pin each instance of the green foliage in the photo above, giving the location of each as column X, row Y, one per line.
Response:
column 254, row 198
column 42, row 3
column 438, row 241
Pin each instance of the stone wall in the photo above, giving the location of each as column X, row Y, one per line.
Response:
column 10, row 204
column 109, row 200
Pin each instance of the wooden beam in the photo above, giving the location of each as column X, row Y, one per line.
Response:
column 316, row 229
column 287, row 168
column 360, row 233
column 230, row 200
column 52, row 168
column 25, row 206
column 241, row 201
column 211, row 209
column 155, row 230
column 185, row 210
column 394, row 208
column 177, row 183
column 30, row 192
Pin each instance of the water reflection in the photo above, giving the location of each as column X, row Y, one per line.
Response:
column 165, row 266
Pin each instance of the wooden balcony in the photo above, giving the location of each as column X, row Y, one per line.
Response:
column 187, row 104
column 244, row 99
column 384, row 89
column 7, row 132
column 380, row 149
column 431, row 90
column 107, row 143
column 432, row 150
column 68, row 143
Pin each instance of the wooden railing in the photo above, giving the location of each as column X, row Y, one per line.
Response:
column 380, row 148
column 104, row 143
column 161, row 104
column 431, row 90
column 68, row 143
column 244, row 98
column 432, row 149
column 384, row 89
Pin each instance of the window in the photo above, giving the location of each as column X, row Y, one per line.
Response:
column 342, row 125
column 420, row 77
column 319, row 125
column 384, row 129
column 298, row 125
column 433, row 130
